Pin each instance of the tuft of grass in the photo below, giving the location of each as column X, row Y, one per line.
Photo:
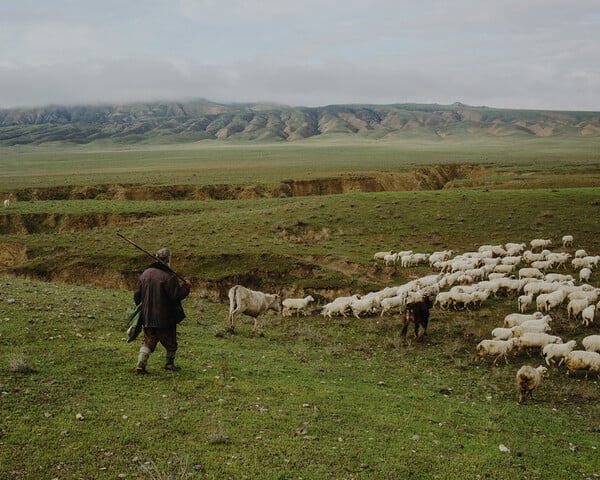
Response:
column 19, row 363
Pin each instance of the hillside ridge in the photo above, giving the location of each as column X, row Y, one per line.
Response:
column 196, row 120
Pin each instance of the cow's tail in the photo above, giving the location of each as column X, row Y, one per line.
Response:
column 232, row 299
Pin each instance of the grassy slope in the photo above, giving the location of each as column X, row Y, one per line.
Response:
column 315, row 398
column 311, row 399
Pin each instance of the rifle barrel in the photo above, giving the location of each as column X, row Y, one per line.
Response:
column 150, row 255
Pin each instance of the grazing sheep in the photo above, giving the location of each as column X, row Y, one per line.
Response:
column 364, row 305
column 525, row 327
column 528, row 379
column 567, row 241
column 539, row 243
column 6, row 203
column 514, row 319
column 381, row 255
column 558, row 259
column 392, row 303
column 499, row 348
column 524, row 301
column 442, row 256
column 297, row 304
column 558, row 277
column 501, row 333
column 585, row 274
column 542, row 265
column 589, row 261
column 549, row 301
column 553, row 351
column 588, row 314
column 583, row 360
column 390, row 259
column 339, row 306
column 575, row 307
column 591, row 343
column 537, row 339
column 580, row 253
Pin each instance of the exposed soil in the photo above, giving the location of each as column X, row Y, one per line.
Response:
column 431, row 178
column 288, row 275
column 29, row 223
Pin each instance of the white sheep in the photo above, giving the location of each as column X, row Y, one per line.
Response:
column 339, row 306
column 390, row 259
column 526, row 327
column 537, row 339
column 542, row 265
column 364, row 305
column 501, row 333
column 524, row 301
column 558, row 259
column 539, row 243
column 585, row 274
column 444, row 300
column 589, row 261
column 591, row 343
column 559, row 277
column 583, row 360
column 567, row 241
column 554, row 351
column 514, row 248
column 580, row 253
column 297, row 304
column 381, row 255
column 6, row 203
column 514, row 319
column 591, row 296
column 440, row 257
column 549, row 301
column 575, row 307
column 528, row 379
column 588, row 314
column 499, row 348
column 413, row 259
column 392, row 303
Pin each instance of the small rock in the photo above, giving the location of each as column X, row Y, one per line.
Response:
column 573, row 447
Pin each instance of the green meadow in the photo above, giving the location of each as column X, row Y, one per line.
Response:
column 313, row 397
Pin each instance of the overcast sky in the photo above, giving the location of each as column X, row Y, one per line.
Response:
column 541, row 54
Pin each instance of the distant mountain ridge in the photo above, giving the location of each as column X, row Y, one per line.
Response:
column 195, row 120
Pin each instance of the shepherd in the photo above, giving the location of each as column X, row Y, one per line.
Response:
column 160, row 293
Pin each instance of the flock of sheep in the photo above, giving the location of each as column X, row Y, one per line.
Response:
column 465, row 281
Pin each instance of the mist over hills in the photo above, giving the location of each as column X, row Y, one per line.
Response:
column 196, row 120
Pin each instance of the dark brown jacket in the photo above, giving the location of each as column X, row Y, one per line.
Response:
column 160, row 293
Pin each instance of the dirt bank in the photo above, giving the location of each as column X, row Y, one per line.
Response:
column 430, row 178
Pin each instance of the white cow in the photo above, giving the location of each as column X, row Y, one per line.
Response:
column 242, row 300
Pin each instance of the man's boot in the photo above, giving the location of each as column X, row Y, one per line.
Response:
column 142, row 359
column 170, row 363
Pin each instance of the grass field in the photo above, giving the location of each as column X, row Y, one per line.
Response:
column 313, row 398
column 215, row 163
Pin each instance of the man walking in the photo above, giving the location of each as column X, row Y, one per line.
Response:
column 160, row 293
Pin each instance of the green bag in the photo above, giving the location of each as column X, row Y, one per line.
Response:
column 134, row 322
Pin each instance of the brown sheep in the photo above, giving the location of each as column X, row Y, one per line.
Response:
column 418, row 313
column 528, row 379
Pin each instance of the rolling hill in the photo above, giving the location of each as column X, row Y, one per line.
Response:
column 195, row 120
